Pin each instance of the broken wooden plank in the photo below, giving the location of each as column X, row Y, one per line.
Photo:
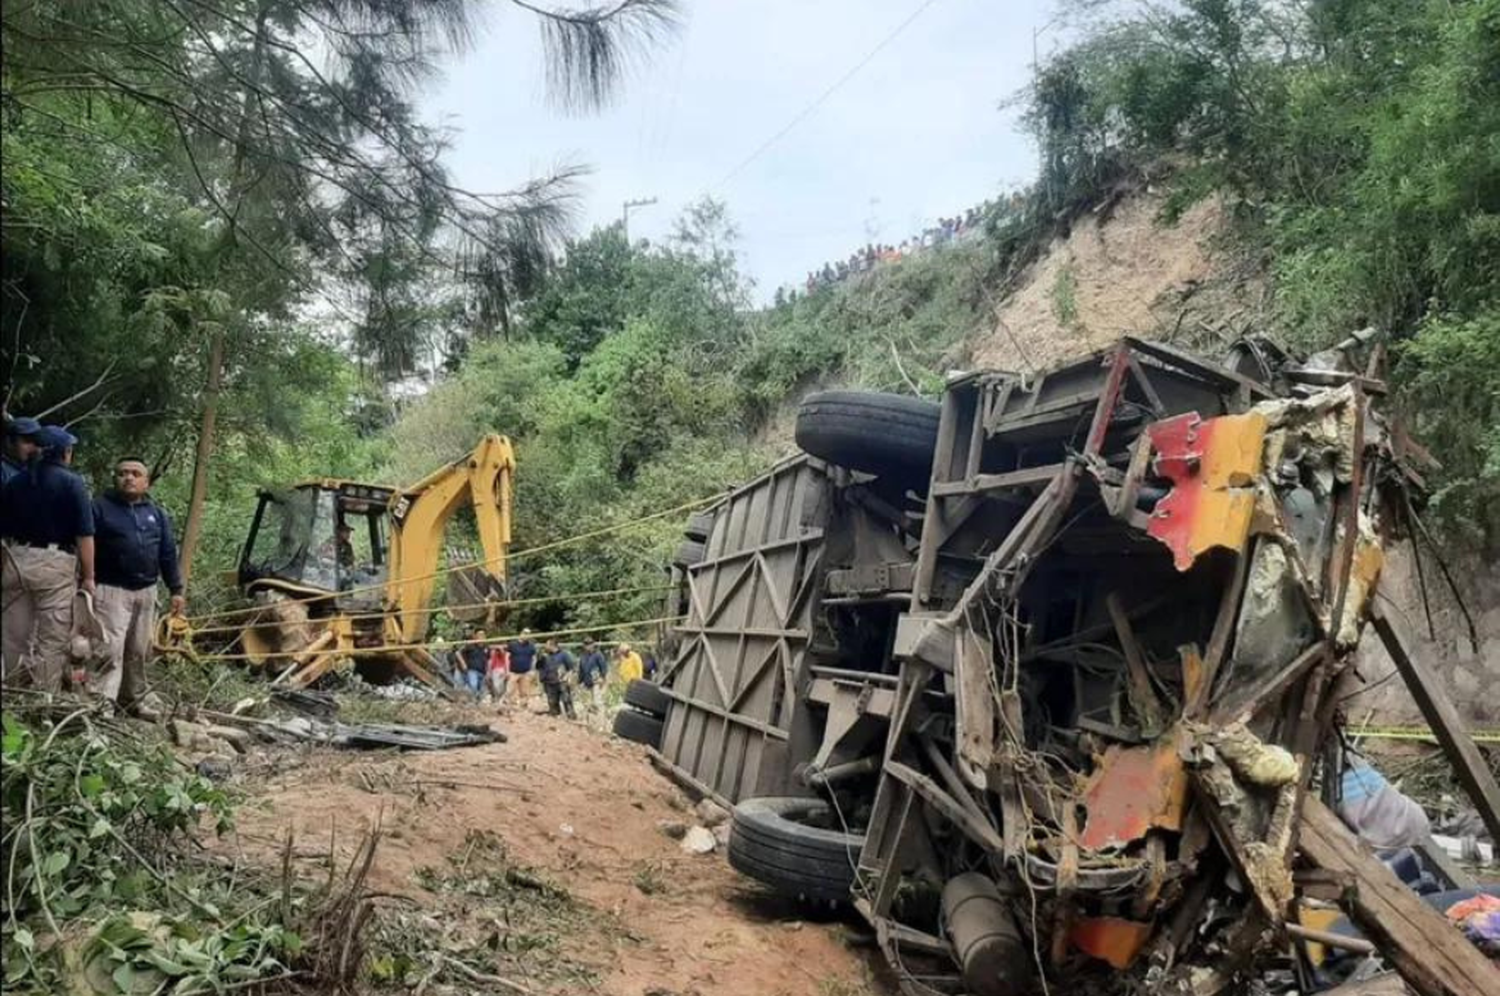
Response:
column 1249, row 700
column 1449, row 729
column 1431, row 954
column 1148, row 708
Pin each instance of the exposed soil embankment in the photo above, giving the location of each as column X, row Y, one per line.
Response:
column 579, row 810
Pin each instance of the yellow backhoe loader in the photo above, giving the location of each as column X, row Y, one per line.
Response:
column 347, row 571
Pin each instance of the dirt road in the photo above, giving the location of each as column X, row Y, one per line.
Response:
column 583, row 810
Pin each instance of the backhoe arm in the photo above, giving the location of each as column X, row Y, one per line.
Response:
column 420, row 515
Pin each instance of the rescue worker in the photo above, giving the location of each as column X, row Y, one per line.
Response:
column 556, row 667
column 47, row 526
column 522, row 666
column 476, row 658
column 20, row 446
column 133, row 551
column 631, row 667
column 593, row 672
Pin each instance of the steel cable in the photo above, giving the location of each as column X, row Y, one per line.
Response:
column 530, row 551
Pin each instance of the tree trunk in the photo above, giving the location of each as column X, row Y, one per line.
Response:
column 193, row 527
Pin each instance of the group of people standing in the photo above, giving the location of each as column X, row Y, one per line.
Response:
column 71, row 558
column 873, row 254
column 512, row 671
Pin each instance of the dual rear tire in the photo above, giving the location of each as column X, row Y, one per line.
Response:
column 644, row 718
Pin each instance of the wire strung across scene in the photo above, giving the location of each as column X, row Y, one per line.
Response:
column 530, row 551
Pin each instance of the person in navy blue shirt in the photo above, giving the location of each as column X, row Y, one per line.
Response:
column 476, row 658
column 556, row 667
column 47, row 523
column 523, row 666
column 593, row 672
column 134, row 551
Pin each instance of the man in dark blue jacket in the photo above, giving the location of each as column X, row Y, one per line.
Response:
column 593, row 673
column 47, row 522
column 134, row 550
column 556, row 667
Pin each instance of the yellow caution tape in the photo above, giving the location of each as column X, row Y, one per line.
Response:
column 1418, row 733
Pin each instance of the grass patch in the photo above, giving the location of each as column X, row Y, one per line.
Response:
column 650, row 878
column 1065, row 297
column 498, row 918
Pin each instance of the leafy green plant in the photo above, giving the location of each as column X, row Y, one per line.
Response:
column 97, row 821
column 1065, row 297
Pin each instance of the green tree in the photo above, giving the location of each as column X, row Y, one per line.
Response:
column 315, row 170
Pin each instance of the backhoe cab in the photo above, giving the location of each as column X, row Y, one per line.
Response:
column 346, row 570
column 319, row 537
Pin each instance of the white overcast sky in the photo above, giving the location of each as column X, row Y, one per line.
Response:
column 915, row 134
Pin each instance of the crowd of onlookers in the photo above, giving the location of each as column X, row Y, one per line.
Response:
column 514, row 671
column 873, row 254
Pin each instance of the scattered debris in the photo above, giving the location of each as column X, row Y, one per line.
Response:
column 675, row 829
column 414, row 737
column 710, row 813
column 239, row 729
column 698, row 840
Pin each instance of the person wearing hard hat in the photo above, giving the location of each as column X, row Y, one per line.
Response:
column 20, row 446
column 47, row 528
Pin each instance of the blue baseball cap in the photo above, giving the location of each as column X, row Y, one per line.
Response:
column 55, row 437
column 22, row 426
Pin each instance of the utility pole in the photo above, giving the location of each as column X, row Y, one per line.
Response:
column 625, row 215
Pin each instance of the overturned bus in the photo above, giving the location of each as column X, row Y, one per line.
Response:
column 1040, row 678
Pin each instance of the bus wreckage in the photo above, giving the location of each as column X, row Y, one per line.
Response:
column 1045, row 680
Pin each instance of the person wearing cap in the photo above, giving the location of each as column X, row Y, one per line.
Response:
column 20, row 446
column 133, row 552
column 47, row 528
column 523, row 666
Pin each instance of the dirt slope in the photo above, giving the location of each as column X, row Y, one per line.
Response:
column 1122, row 270
column 584, row 812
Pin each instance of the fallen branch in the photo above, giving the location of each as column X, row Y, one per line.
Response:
column 474, row 975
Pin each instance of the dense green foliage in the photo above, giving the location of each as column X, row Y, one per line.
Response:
column 1358, row 140
column 640, row 380
column 184, row 185
column 98, row 821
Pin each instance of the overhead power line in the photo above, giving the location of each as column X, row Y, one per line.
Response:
column 817, row 102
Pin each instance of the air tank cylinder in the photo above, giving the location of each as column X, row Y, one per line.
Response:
column 987, row 943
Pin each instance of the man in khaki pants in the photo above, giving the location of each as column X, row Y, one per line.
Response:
column 47, row 523
column 135, row 551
